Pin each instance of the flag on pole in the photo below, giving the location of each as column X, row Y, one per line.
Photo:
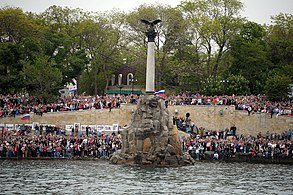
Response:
column 25, row 117
column 160, row 93
column 72, row 88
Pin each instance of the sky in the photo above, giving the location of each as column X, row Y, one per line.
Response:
column 259, row 11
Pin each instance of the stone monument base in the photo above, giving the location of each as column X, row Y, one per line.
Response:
column 151, row 138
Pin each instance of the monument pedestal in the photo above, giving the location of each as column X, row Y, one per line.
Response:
column 151, row 139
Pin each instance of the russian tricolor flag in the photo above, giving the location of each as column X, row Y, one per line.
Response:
column 25, row 117
column 72, row 88
column 160, row 93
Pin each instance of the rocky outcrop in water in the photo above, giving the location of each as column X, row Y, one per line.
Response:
column 151, row 138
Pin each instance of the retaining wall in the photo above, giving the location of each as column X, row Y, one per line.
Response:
column 210, row 117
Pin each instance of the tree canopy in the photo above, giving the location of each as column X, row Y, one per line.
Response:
column 203, row 46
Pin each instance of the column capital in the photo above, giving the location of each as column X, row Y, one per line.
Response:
column 151, row 34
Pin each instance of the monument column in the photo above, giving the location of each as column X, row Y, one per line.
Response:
column 150, row 69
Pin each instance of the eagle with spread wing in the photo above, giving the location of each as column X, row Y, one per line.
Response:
column 151, row 23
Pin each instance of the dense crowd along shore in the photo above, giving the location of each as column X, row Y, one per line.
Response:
column 12, row 105
column 206, row 145
column 25, row 145
column 200, row 143
column 225, row 145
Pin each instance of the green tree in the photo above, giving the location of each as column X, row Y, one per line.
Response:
column 17, row 29
column 64, row 43
column 277, row 87
column 250, row 56
column 42, row 77
column 212, row 86
column 101, row 37
column 10, row 80
column 235, row 84
column 212, row 24
column 15, row 25
column 280, row 40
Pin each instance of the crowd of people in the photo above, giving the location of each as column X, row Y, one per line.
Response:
column 251, row 103
column 12, row 105
column 53, row 141
column 224, row 144
column 30, row 143
column 221, row 144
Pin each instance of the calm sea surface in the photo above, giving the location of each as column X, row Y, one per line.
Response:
column 100, row 177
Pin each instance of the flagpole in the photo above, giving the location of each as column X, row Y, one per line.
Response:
column 29, row 120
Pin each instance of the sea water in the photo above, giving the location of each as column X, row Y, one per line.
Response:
column 101, row 177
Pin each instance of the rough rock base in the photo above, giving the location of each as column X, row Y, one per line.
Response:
column 151, row 139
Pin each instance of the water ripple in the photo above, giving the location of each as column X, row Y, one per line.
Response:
column 100, row 177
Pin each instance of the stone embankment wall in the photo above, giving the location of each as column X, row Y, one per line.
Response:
column 210, row 117
column 221, row 117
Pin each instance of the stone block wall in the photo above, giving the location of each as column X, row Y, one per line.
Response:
column 221, row 117
column 210, row 117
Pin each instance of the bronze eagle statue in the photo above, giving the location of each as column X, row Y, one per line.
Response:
column 151, row 23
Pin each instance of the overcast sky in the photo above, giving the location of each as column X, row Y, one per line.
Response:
column 259, row 11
